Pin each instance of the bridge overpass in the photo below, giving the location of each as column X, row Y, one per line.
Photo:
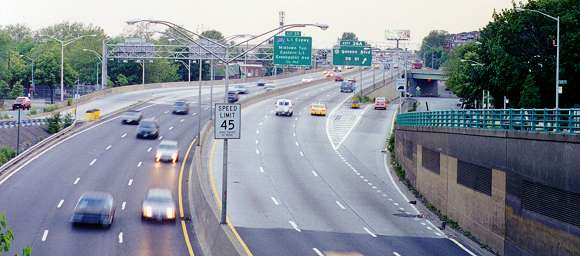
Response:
column 425, row 82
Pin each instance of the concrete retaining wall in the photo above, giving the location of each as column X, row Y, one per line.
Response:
column 501, row 219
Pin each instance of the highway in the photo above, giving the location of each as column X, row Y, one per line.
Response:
column 306, row 185
column 40, row 197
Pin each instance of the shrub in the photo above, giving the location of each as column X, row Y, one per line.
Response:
column 67, row 120
column 50, row 108
column 54, row 123
column 6, row 153
column 69, row 102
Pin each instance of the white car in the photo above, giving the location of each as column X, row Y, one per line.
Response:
column 168, row 150
column 158, row 205
column 284, row 107
column 307, row 80
column 239, row 88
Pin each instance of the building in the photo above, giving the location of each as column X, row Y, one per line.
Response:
column 459, row 39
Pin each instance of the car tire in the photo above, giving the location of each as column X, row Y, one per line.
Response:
column 291, row 113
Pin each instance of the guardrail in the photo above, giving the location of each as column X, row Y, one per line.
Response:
column 563, row 121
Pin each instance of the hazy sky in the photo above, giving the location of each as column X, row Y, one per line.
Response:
column 367, row 18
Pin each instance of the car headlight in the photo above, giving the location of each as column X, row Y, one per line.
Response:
column 174, row 156
column 170, row 213
column 147, row 212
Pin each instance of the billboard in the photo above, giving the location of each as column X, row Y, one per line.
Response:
column 397, row 34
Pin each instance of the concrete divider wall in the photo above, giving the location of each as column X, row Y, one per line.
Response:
column 512, row 219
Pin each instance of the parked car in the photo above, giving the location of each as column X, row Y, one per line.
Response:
column 233, row 97
column 380, row 103
column 168, row 150
column 284, row 107
column 180, row 107
column 158, row 205
column 131, row 117
column 22, row 103
column 97, row 208
column 148, row 129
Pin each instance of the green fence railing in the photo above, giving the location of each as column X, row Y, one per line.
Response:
column 534, row 120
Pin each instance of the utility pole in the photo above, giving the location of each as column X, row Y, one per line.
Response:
column 199, row 114
column 225, row 152
column 18, row 134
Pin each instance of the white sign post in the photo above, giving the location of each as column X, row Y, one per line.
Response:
column 227, row 121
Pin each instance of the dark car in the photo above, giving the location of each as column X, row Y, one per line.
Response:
column 233, row 97
column 131, row 117
column 347, row 86
column 148, row 129
column 180, row 107
column 94, row 208
column 261, row 83
column 22, row 103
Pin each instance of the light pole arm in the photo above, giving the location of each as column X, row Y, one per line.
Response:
column 184, row 64
column 98, row 55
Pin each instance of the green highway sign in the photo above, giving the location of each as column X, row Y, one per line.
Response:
column 563, row 82
column 293, row 50
column 293, row 33
column 353, row 43
column 352, row 56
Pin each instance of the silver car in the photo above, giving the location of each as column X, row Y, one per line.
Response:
column 168, row 150
column 131, row 117
column 158, row 205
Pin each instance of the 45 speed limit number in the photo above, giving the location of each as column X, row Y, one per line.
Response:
column 227, row 121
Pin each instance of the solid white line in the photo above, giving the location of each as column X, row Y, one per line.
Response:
column 124, row 134
column 261, row 169
column 368, row 231
column 120, row 237
column 108, row 147
column 318, row 252
column 314, row 173
column 92, row 162
column 275, row 201
column 294, row 225
column 396, row 254
column 123, row 205
column 461, row 246
column 130, row 182
column 60, row 203
column 77, row 180
column 301, row 153
column 149, row 149
column 139, row 164
column 353, row 126
column 340, row 205
column 44, row 235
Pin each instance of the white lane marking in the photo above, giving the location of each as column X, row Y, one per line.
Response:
column 120, row 237
column 166, row 112
column 60, row 204
column 257, row 131
column 370, row 184
column 193, row 114
column 261, row 169
column 44, row 235
column 429, row 228
column 423, row 223
column 318, row 252
column 139, row 164
column 314, row 173
column 461, row 246
column 260, row 123
column 108, row 147
column 130, row 182
column 181, row 121
column 123, row 205
column 294, row 134
column 275, row 201
column 149, row 149
column 396, row 254
column 257, row 152
column 374, row 187
column 297, row 145
column 294, row 125
column 76, row 181
column 171, row 128
column 296, row 119
column 92, row 162
column 436, row 233
column 257, row 142
column 356, row 121
column 390, row 199
column 124, row 135
column 396, row 204
column 401, row 208
column 160, row 137
column 368, row 231
column 294, row 225
column 301, row 153
column 340, row 205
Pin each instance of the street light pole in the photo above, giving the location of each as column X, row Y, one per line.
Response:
column 199, row 104
column 32, row 75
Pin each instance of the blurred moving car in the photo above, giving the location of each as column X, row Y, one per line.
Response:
column 168, row 150
column 239, row 88
column 380, row 103
column 22, row 103
column 261, row 83
column 180, row 107
column 338, row 78
column 148, row 128
column 94, row 208
column 318, row 109
column 131, row 117
column 158, row 205
column 233, row 97
column 284, row 107
column 347, row 86
column 307, row 80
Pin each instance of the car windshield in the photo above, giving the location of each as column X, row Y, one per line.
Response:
column 283, row 103
column 148, row 125
column 132, row 113
column 167, row 146
column 179, row 103
column 20, row 99
column 91, row 202
column 317, row 105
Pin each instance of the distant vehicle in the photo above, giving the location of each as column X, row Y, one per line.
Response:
column 148, row 128
column 261, row 83
column 355, row 103
column 318, row 109
column 131, row 117
column 239, row 88
column 417, row 65
column 337, row 69
column 95, row 208
column 307, row 80
column 22, row 103
column 380, row 103
column 158, row 205
column 329, row 74
column 180, row 107
column 347, row 86
column 338, row 78
column 233, row 97
column 284, row 107
column 168, row 151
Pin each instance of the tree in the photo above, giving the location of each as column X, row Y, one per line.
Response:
column 4, row 90
column 433, row 48
column 530, row 93
column 7, row 235
column 17, row 90
column 122, row 80
column 349, row 36
column 54, row 123
column 213, row 34
column 161, row 70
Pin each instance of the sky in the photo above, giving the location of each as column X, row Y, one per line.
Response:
column 367, row 18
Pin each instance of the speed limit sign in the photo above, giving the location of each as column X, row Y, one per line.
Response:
column 227, row 121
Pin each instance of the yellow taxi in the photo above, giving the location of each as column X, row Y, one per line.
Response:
column 318, row 109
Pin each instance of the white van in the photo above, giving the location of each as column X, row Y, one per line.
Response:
column 284, row 107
